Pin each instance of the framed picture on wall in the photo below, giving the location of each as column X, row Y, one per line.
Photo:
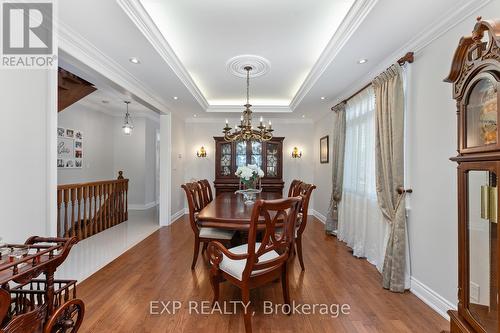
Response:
column 323, row 150
column 69, row 148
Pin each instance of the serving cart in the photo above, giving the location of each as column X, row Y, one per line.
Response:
column 31, row 300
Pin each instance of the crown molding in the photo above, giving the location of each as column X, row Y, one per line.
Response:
column 354, row 18
column 275, row 121
column 136, row 12
column 443, row 24
column 255, row 108
column 139, row 16
column 85, row 52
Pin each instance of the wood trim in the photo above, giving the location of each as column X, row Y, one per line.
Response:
column 71, row 89
column 85, row 209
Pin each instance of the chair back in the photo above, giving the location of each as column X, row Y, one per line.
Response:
column 293, row 190
column 280, row 217
column 304, row 190
column 206, row 190
column 194, row 198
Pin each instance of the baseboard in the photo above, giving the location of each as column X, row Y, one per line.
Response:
column 142, row 207
column 318, row 215
column 177, row 215
column 431, row 298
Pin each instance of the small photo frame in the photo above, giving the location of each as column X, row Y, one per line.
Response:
column 78, row 135
column 324, row 152
column 70, row 133
column 78, row 154
column 61, row 131
column 78, row 145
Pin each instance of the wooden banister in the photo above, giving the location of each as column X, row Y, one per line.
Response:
column 85, row 209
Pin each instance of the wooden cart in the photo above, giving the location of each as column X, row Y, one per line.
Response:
column 30, row 299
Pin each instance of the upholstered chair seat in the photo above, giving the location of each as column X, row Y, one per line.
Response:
column 215, row 233
column 197, row 200
column 235, row 267
column 256, row 264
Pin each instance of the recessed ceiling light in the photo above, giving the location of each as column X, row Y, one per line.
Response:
column 362, row 61
column 134, row 60
column 323, row 98
column 303, row 116
column 195, row 115
column 176, row 98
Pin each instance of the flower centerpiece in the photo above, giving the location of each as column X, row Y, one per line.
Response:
column 249, row 176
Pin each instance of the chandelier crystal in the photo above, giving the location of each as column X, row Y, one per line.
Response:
column 245, row 131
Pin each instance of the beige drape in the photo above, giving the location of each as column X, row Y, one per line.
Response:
column 338, row 145
column 389, row 166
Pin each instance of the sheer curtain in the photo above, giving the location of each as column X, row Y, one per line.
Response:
column 361, row 224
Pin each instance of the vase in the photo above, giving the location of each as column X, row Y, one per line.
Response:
column 249, row 195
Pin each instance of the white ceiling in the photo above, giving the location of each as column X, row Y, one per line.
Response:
column 291, row 34
column 112, row 102
column 184, row 45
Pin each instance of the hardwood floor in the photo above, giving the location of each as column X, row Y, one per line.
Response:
column 118, row 297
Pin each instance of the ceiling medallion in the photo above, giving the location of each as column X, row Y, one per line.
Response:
column 236, row 65
column 245, row 131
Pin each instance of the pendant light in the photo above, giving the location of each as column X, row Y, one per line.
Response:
column 127, row 124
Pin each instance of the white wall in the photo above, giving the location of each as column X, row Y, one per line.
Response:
column 150, row 160
column 432, row 223
column 25, row 141
column 107, row 150
column 200, row 132
column 178, row 167
column 322, row 172
column 97, row 128
column 432, row 126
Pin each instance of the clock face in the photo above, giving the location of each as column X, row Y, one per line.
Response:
column 482, row 114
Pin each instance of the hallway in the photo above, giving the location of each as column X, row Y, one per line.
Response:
column 93, row 253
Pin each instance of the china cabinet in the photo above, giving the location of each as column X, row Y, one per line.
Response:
column 268, row 155
column 475, row 75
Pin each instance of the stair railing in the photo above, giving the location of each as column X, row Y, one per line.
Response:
column 86, row 209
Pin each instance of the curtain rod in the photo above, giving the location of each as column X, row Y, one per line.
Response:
column 407, row 58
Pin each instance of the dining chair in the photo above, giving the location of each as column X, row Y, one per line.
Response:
column 206, row 191
column 254, row 264
column 201, row 235
column 292, row 190
column 304, row 190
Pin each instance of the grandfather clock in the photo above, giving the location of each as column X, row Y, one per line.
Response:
column 475, row 74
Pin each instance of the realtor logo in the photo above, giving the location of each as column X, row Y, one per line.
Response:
column 27, row 34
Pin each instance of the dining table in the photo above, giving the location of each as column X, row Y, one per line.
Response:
column 229, row 211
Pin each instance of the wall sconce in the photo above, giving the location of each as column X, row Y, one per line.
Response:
column 296, row 153
column 202, row 152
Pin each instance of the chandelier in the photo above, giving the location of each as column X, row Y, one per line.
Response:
column 245, row 131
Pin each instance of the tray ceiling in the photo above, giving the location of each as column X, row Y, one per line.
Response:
column 290, row 34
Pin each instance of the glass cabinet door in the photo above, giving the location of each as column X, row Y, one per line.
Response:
column 256, row 153
column 241, row 153
column 225, row 159
column 482, row 251
column 481, row 114
column 272, row 159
